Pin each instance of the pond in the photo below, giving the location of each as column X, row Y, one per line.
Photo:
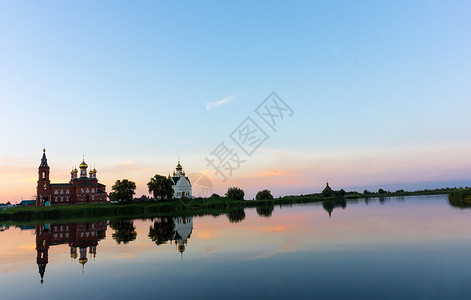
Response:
column 394, row 248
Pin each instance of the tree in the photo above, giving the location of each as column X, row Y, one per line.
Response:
column 235, row 193
column 161, row 187
column 381, row 191
column 123, row 190
column 264, row 195
column 366, row 192
column 214, row 196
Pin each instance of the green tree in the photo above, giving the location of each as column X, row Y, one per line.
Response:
column 161, row 187
column 235, row 193
column 264, row 195
column 123, row 190
column 366, row 192
column 214, row 196
column 381, row 191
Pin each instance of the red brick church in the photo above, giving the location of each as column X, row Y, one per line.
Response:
column 83, row 189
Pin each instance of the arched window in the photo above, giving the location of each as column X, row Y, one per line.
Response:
column 44, row 174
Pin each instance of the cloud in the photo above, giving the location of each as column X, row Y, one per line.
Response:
column 211, row 105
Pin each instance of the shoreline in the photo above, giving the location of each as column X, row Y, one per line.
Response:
column 173, row 208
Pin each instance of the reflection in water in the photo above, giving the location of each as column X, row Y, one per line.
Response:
column 265, row 211
column 421, row 241
column 172, row 229
column 330, row 204
column 124, row 231
column 236, row 216
column 82, row 236
column 162, row 230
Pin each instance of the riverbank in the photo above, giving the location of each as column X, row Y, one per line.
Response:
column 174, row 208
column 460, row 197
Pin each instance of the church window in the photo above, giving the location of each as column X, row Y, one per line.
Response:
column 55, row 199
column 56, row 192
column 67, row 192
column 62, row 192
column 44, row 174
column 81, row 190
column 67, row 199
column 93, row 197
column 62, row 199
column 88, row 191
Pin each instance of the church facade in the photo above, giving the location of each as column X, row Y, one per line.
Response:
column 181, row 183
column 80, row 189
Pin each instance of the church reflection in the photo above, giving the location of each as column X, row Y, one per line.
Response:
column 171, row 230
column 82, row 239
column 330, row 204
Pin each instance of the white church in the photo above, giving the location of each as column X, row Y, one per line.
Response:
column 181, row 183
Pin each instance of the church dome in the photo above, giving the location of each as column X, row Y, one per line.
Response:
column 179, row 167
column 83, row 260
column 83, row 165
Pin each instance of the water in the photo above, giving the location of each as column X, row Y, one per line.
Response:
column 399, row 248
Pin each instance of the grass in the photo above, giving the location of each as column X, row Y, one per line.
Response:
column 460, row 197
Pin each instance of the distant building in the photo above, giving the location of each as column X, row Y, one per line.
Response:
column 83, row 189
column 181, row 183
column 27, row 203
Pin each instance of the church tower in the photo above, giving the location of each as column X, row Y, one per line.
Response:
column 44, row 184
column 83, row 169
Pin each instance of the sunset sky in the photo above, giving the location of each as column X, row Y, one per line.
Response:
column 378, row 93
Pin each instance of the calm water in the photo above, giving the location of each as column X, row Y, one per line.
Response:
column 400, row 248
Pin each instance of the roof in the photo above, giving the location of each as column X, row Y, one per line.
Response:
column 60, row 184
column 28, row 202
column 175, row 179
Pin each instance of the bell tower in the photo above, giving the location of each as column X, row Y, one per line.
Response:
column 44, row 184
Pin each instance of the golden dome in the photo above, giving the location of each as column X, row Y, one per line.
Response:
column 83, row 165
column 73, row 255
column 75, row 171
column 83, row 260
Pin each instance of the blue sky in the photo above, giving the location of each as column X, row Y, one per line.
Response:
column 381, row 89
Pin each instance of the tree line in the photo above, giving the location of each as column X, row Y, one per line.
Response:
column 161, row 188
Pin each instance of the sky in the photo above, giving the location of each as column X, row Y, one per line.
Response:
column 378, row 92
